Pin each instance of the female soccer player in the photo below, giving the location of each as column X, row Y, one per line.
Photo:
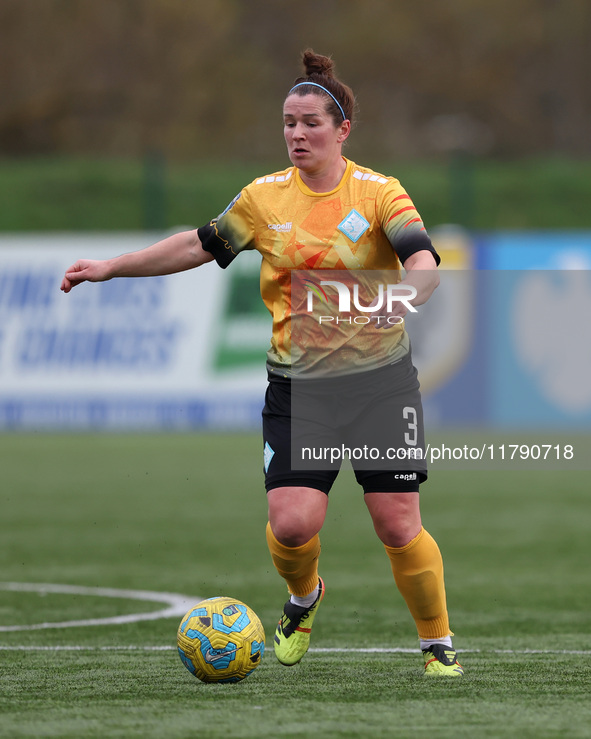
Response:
column 327, row 213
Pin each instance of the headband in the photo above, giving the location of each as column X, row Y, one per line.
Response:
column 328, row 92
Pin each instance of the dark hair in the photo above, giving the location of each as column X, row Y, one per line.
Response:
column 320, row 70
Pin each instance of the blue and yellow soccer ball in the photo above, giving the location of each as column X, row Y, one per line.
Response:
column 221, row 640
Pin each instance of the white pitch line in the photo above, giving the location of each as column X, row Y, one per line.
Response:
column 317, row 650
column 176, row 604
column 82, row 648
column 405, row 650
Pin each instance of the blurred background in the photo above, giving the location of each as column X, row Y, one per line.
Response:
column 123, row 120
column 101, row 102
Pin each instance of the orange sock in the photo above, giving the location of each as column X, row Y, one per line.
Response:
column 298, row 566
column 418, row 572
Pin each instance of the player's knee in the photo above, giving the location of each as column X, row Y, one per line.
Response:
column 292, row 533
column 296, row 515
column 397, row 520
column 397, row 534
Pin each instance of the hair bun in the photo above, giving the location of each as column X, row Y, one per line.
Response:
column 317, row 64
column 320, row 71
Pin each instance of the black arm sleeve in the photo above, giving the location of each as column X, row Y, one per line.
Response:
column 218, row 247
column 411, row 244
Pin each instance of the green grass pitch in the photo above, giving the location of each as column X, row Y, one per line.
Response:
column 186, row 514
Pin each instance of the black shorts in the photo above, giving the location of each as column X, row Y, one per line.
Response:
column 374, row 419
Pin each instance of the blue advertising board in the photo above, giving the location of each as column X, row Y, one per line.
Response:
column 504, row 342
column 539, row 329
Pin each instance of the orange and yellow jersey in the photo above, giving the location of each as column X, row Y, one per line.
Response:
column 368, row 222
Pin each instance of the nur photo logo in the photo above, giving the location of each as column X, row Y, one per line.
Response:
column 347, row 299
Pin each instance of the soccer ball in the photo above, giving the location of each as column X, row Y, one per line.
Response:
column 221, row 640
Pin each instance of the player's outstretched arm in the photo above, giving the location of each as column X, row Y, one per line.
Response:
column 176, row 253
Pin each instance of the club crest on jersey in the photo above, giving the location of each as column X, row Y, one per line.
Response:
column 353, row 226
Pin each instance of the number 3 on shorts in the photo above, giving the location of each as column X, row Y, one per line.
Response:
column 409, row 414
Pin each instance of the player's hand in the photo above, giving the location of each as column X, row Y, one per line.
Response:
column 395, row 317
column 393, row 311
column 85, row 270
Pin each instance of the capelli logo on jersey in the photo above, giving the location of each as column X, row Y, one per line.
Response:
column 280, row 227
column 381, row 306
